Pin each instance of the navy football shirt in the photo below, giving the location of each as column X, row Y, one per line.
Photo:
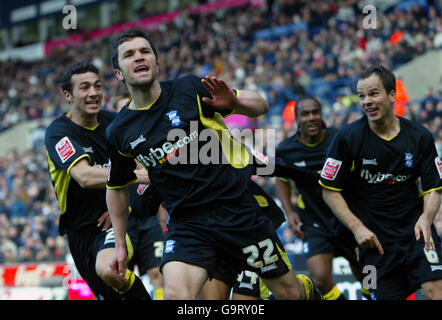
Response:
column 310, row 157
column 169, row 138
column 379, row 178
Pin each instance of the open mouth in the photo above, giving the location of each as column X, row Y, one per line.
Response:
column 371, row 111
column 141, row 69
column 92, row 102
column 313, row 126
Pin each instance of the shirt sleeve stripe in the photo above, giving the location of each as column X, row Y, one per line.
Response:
column 330, row 188
column 121, row 187
column 127, row 155
column 76, row 161
column 433, row 189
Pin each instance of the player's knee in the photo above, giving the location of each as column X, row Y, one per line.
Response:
column 172, row 293
column 285, row 292
column 286, row 288
column 322, row 280
column 105, row 273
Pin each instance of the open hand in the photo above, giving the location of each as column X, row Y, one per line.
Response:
column 223, row 97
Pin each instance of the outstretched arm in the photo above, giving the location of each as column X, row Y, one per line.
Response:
column 247, row 102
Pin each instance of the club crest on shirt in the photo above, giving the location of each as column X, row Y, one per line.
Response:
column 409, row 160
column 65, row 149
column 331, row 169
column 174, row 118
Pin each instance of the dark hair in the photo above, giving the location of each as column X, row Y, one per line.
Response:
column 302, row 100
column 387, row 77
column 127, row 36
column 75, row 68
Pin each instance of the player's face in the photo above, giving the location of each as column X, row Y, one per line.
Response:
column 309, row 118
column 138, row 64
column 86, row 93
column 375, row 101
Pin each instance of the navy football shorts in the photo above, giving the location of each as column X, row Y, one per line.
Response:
column 245, row 241
column 147, row 240
column 317, row 241
column 404, row 267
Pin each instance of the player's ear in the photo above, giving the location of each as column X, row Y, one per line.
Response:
column 392, row 96
column 68, row 96
column 118, row 74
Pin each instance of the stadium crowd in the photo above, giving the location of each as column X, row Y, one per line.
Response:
column 322, row 57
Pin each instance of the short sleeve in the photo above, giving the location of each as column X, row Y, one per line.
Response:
column 430, row 168
column 337, row 165
column 121, row 169
column 64, row 151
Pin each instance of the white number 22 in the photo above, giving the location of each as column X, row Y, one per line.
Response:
column 254, row 253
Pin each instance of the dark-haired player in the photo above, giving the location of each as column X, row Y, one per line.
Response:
column 324, row 237
column 212, row 214
column 77, row 158
column 370, row 180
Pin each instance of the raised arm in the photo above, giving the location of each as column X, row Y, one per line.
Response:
column 246, row 102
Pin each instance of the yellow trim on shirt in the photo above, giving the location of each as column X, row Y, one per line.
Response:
column 76, row 161
column 127, row 155
column 330, row 188
column 431, row 190
column 123, row 186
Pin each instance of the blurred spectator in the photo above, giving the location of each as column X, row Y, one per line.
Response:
column 8, row 249
column 429, row 98
column 28, row 210
column 439, row 143
column 18, row 207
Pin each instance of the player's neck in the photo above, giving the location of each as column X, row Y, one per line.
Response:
column 83, row 120
column 144, row 96
column 310, row 140
column 386, row 128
